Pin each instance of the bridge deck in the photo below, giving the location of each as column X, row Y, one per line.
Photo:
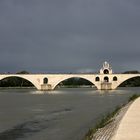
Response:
column 129, row 128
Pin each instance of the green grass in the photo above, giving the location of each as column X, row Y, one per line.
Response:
column 133, row 97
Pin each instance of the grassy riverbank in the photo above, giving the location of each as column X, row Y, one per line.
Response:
column 108, row 119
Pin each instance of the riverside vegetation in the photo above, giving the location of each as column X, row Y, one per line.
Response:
column 107, row 119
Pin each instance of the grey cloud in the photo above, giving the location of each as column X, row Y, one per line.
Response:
column 69, row 36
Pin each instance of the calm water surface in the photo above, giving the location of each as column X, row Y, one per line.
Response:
column 63, row 114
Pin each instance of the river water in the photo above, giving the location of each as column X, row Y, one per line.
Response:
column 63, row 114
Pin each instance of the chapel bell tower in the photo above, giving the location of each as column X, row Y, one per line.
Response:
column 106, row 69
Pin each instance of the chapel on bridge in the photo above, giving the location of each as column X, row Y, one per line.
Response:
column 106, row 69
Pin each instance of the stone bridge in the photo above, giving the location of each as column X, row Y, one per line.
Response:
column 105, row 80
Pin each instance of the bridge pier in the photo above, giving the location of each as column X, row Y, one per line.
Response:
column 45, row 87
column 101, row 86
column 106, row 86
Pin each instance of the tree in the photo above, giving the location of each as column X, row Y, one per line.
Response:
column 23, row 72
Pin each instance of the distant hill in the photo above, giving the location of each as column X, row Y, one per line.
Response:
column 23, row 72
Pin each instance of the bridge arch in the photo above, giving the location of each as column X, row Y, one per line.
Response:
column 22, row 77
column 67, row 78
column 127, row 79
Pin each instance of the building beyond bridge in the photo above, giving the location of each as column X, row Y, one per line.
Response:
column 104, row 80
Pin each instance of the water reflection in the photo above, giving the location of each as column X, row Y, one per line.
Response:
column 87, row 91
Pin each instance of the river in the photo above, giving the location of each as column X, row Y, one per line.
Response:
column 63, row 114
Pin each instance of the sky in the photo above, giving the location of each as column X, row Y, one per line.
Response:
column 69, row 36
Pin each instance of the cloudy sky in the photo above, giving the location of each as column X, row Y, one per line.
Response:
column 69, row 35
